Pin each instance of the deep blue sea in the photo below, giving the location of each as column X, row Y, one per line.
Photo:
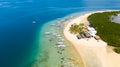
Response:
column 18, row 35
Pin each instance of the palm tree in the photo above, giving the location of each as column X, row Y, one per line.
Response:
column 75, row 29
column 81, row 25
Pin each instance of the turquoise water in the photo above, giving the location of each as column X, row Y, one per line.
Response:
column 23, row 44
column 50, row 55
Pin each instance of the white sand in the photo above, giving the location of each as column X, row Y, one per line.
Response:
column 94, row 53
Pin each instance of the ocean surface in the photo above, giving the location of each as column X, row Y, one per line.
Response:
column 23, row 24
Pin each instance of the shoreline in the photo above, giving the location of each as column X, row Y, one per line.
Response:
column 70, row 43
column 49, row 54
column 97, row 55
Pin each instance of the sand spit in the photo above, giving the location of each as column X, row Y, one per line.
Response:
column 93, row 52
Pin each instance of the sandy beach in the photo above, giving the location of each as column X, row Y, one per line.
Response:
column 93, row 53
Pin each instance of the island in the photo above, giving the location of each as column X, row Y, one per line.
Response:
column 96, row 38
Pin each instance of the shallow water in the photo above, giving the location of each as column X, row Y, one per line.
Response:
column 22, row 43
column 50, row 55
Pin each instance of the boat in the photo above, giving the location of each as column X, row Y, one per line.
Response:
column 47, row 33
column 61, row 39
column 33, row 22
column 58, row 35
column 59, row 43
column 61, row 46
column 52, row 24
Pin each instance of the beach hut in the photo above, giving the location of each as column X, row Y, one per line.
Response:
column 87, row 35
column 92, row 31
column 82, row 35
column 92, row 34
column 97, row 37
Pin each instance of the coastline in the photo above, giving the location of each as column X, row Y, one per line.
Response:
column 49, row 55
column 93, row 53
column 79, row 57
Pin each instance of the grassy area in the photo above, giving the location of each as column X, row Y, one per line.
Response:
column 107, row 30
column 75, row 29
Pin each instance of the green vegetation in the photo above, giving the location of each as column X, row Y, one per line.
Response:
column 107, row 30
column 117, row 50
column 76, row 28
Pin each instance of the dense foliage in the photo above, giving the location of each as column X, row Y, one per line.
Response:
column 117, row 50
column 107, row 30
